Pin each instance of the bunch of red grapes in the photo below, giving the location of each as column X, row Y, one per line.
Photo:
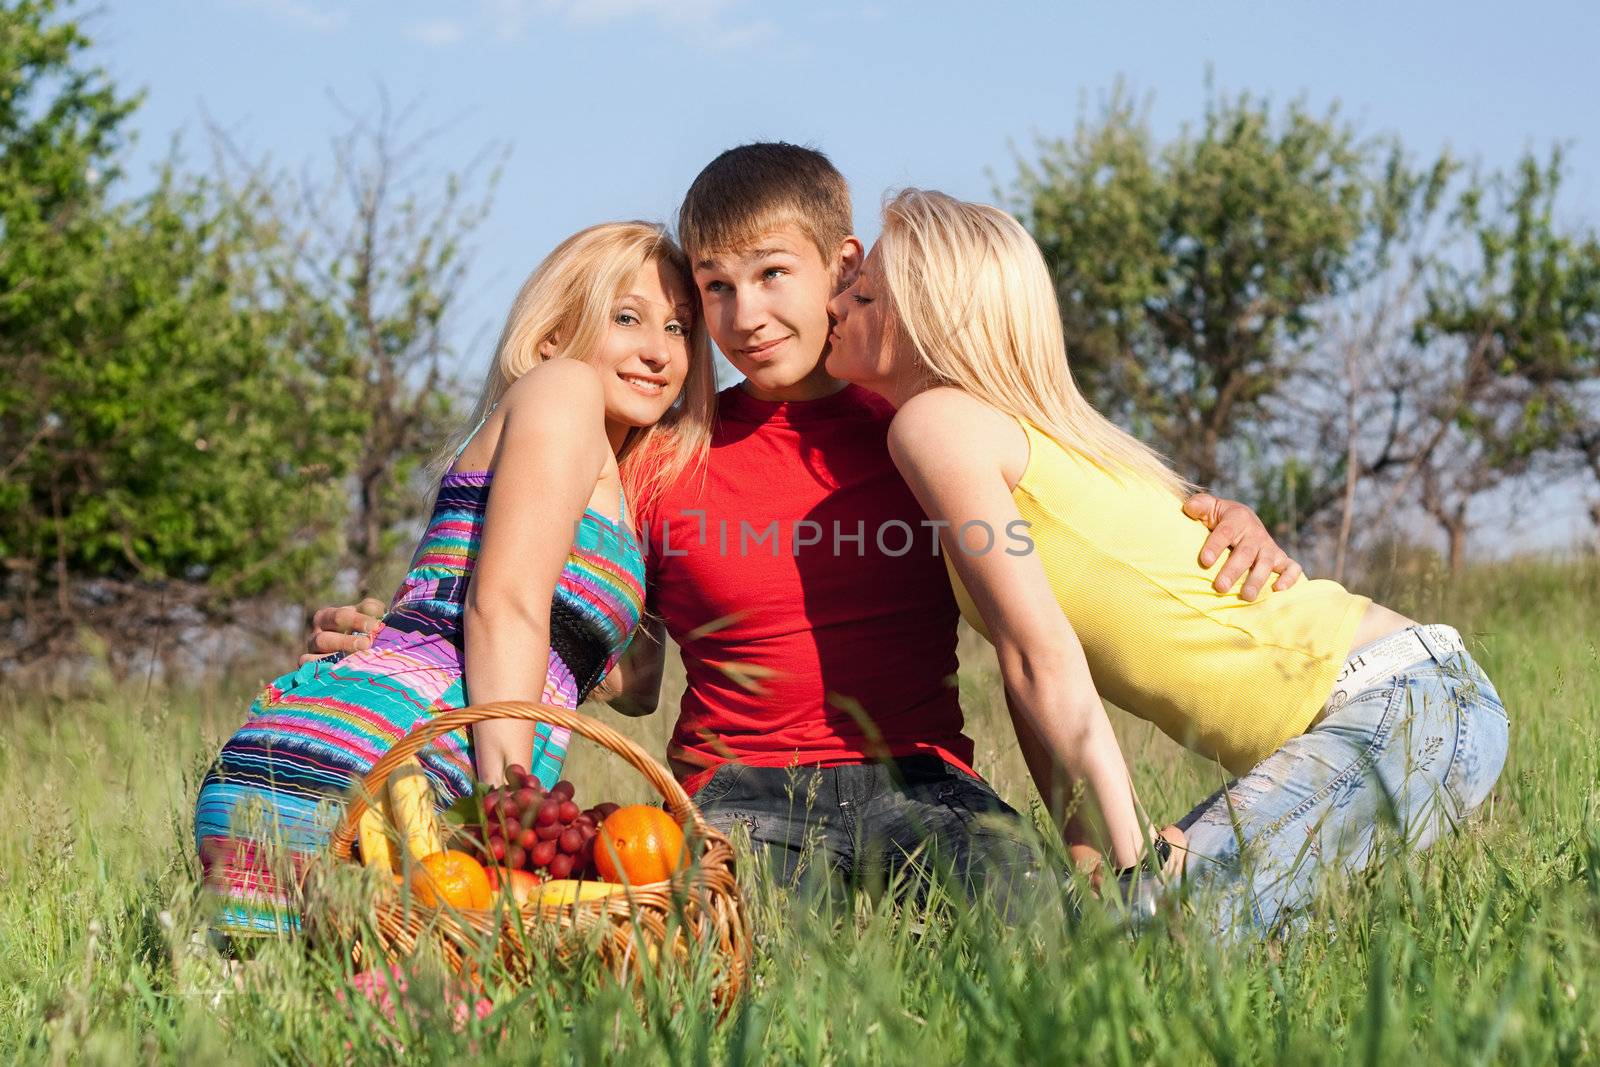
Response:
column 546, row 833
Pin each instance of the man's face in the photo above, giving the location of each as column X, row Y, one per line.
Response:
column 766, row 307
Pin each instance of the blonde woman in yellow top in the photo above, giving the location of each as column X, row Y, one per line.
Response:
column 1067, row 553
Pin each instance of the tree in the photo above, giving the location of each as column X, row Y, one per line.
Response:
column 60, row 126
column 1467, row 366
column 380, row 243
column 156, row 466
column 1519, row 317
column 1315, row 320
column 1350, row 414
column 1189, row 275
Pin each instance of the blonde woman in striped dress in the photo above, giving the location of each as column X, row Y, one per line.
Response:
column 527, row 584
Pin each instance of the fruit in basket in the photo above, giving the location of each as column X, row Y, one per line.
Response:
column 638, row 844
column 566, row 891
column 545, row 832
column 400, row 819
column 373, row 833
column 521, row 884
column 451, row 878
column 411, row 805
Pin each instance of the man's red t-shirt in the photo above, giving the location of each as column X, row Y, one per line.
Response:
column 803, row 584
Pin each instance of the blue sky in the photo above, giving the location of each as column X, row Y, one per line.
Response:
column 610, row 107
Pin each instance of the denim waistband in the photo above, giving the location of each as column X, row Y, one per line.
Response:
column 1378, row 661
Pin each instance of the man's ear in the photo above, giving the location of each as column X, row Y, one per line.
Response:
column 847, row 260
column 549, row 347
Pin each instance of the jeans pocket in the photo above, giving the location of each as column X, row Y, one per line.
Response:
column 1483, row 737
column 719, row 785
column 973, row 799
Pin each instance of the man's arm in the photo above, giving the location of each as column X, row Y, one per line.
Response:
column 634, row 685
column 348, row 628
column 1239, row 531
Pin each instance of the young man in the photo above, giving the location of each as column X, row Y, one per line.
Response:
column 799, row 577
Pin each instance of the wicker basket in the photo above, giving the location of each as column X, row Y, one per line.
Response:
column 697, row 910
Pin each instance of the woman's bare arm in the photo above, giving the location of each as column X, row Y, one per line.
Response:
column 551, row 451
column 948, row 448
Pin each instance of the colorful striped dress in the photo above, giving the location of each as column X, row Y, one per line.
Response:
column 283, row 777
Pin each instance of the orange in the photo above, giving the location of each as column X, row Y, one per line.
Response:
column 639, row 844
column 452, row 878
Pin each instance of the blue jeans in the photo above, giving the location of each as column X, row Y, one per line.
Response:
column 875, row 825
column 1414, row 754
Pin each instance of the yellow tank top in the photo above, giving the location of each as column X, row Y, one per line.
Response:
column 1229, row 678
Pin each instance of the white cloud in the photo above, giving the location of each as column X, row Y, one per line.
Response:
column 509, row 19
column 740, row 36
column 715, row 24
column 436, row 33
column 600, row 12
column 304, row 13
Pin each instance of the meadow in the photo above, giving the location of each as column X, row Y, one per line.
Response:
column 1486, row 949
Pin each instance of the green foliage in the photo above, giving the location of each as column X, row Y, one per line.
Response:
column 60, row 122
column 1190, row 273
column 214, row 390
column 154, row 407
column 176, row 447
column 1526, row 307
column 1289, row 310
column 59, row 125
column 381, row 248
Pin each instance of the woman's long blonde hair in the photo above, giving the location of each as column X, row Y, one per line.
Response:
column 569, row 298
column 975, row 304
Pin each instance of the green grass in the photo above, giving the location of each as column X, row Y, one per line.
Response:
column 1485, row 949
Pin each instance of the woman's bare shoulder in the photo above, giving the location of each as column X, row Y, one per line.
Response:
column 555, row 384
column 953, row 426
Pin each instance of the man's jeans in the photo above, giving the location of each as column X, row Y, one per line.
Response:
column 1414, row 754
column 873, row 824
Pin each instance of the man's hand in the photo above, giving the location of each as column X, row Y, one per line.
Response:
column 633, row 687
column 343, row 629
column 1237, row 530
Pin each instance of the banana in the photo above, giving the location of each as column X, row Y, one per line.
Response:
column 377, row 850
column 411, row 804
column 568, row 891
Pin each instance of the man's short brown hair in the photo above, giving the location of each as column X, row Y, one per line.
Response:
column 755, row 188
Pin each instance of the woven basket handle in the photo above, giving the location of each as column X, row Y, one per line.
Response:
column 659, row 777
